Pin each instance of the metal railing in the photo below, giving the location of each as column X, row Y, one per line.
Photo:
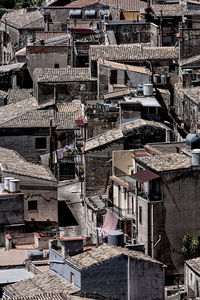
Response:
column 120, row 212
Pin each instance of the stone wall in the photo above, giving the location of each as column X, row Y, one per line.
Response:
column 98, row 168
column 180, row 209
column 189, row 42
column 11, row 209
column 47, row 57
column 103, row 279
column 100, row 122
column 23, row 141
column 147, row 280
column 44, row 192
column 138, row 32
column 65, row 92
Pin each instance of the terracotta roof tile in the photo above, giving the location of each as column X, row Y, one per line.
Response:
column 103, row 253
column 118, row 133
column 171, row 10
column 166, row 162
column 24, row 19
column 132, row 52
column 62, row 74
column 125, row 67
column 13, row 162
column 40, row 284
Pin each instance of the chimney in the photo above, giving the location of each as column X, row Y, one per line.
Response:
column 71, row 245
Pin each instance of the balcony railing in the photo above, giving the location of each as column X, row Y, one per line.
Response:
column 150, row 197
column 122, row 213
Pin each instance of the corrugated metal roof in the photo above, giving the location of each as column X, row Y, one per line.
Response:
column 145, row 101
column 145, row 175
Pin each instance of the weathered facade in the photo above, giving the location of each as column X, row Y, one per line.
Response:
column 43, row 56
column 18, row 29
column 106, row 265
column 98, row 150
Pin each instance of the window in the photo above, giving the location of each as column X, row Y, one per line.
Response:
column 113, row 77
column 71, row 277
column 32, row 205
column 140, row 215
column 56, row 66
column 40, row 143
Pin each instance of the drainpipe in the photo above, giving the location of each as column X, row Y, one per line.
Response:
column 128, row 277
column 152, row 246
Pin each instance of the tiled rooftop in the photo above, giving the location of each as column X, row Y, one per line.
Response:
column 40, row 284
column 14, row 163
column 193, row 93
column 125, row 67
column 126, row 5
column 45, row 296
column 103, row 253
column 96, row 202
column 21, row 19
column 61, row 75
column 194, row 264
column 171, row 10
column 13, row 257
column 3, row 94
column 81, row 3
column 11, row 111
column 190, row 60
column 17, row 95
column 168, row 147
column 11, row 67
column 132, row 52
column 63, row 119
column 166, row 162
column 118, row 133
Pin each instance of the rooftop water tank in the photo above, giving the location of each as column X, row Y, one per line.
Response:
column 156, row 78
column 140, row 89
column 14, row 185
column 193, row 140
column 35, row 254
column 116, row 238
column 148, row 89
column 7, row 183
column 196, row 157
column 163, row 78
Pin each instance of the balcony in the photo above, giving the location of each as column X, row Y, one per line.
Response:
column 150, row 197
column 120, row 212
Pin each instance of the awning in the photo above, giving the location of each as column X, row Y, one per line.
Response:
column 145, row 175
column 90, row 12
column 75, row 12
column 110, row 223
column 103, row 12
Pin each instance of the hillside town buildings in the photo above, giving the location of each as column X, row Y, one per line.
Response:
column 100, row 150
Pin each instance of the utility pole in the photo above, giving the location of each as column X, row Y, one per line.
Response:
column 51, row 145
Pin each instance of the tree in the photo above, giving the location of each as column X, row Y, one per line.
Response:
column 190, row 246
column 7, row 3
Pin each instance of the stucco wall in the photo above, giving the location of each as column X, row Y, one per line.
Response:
column 63, row 269
column 47, row 57
column 45, row 192
column 108, row 279
column 179, row 215
column 146, row 280
column 14, row 139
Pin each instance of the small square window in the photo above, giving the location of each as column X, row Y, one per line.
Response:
column 32, row 205
column 40, row 143
column 56, row 66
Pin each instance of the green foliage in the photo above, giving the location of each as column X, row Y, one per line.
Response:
column 190, row 246
column 7, row 3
